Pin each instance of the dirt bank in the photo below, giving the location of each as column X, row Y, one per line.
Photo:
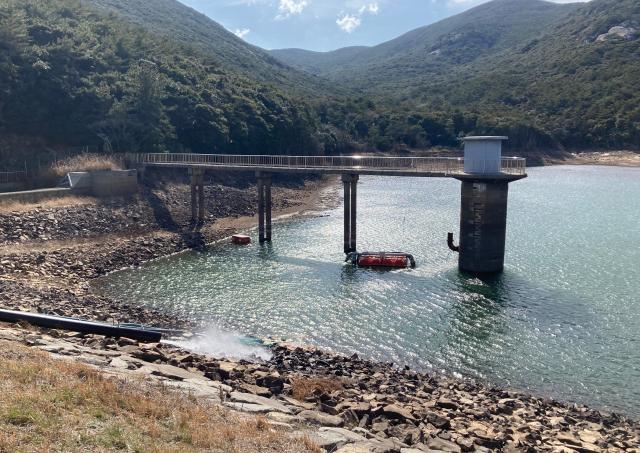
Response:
column 611, row 158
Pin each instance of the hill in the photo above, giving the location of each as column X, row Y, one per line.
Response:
column 319, row 63
column 549, row 75
column 484, row 30
column 73, row 75
column 179, row 23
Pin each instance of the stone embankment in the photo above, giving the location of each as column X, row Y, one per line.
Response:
column 344, row 404
column 349, row 405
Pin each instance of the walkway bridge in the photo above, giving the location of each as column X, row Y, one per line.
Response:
column 361, row 165
column 484, row 173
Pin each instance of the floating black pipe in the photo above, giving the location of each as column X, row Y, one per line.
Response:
column 78, row 325
column 450, row 243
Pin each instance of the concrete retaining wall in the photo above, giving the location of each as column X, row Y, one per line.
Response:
column 114, row 183
column 34, row 196
column 101, row 184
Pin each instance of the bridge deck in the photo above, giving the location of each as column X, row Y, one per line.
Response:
column 511, row 167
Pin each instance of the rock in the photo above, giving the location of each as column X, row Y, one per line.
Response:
column 437, row 420
column 590, row 437
column 397, row 412
column 380, row 427
column 332, row 438
column 569, row 438
column 255, row 389
column 320, row 418
column 359, row 408
column 274, row 405
column 443, row 445
column 620, row 32
column 148, row 355
column 367, row 447
column 226, row 368
column 466, row 443
column 284, row 418
column 274, row 383
column 197, row 389
column 173, row 372
column 447, row 403
column 250, row 408
column 117, row 362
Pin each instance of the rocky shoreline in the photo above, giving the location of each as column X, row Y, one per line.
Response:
column 344, row 404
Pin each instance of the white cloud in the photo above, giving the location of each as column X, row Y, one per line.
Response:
column 241, row 33
column 371, row 8
column 288, row 8
column 348, row 22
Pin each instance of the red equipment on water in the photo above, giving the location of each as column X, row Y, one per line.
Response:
column 240, row 239
column 381, row 259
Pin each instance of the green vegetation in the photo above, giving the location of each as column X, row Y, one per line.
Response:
column 179, row 23
column 74, row 76
column 134, row 75
column 529, row 69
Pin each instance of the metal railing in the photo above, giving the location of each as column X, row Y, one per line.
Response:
column 436, row 165
column 9, row 177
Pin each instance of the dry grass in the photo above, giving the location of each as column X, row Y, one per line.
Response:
column 86, row 162
column 64, row 202
column 303, row 387
column 49, row 405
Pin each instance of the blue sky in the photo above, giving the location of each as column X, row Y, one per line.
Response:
column 326, row 24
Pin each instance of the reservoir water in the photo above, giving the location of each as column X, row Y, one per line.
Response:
column 563, row 320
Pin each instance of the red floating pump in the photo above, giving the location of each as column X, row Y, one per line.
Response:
column 381, row 259
column 240, row 239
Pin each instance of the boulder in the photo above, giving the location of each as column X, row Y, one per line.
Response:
column 397, row 412
column 320, row 418
column 273, row 405
column 443, row 445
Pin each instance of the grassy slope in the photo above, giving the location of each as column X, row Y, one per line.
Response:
column 49, row 405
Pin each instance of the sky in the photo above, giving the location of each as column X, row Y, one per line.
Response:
column 324, row 25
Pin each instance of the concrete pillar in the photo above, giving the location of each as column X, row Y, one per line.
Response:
column 354, row 223
column 261, row 213
column 193, row 195
column 201, row 197
column 483, row 207
column 141, row 173
column 483, row 225
column 267, row 196
column 197, row 194
column 350, row 211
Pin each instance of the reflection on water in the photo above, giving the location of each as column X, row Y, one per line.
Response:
column 562, row 320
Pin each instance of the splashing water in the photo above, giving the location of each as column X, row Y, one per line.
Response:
column 224, row 344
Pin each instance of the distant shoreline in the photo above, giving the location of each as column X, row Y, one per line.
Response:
column 607, row 158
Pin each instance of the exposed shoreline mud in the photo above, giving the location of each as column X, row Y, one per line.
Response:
column 48, row 256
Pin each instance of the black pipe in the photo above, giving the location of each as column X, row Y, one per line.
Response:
column 450, row 243
column 78, row 325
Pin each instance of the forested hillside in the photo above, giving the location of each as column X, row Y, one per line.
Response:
column 72, row 76
column 179, row 23
column 548, row 75
column 154, row 75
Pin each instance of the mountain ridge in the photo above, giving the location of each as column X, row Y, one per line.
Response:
column 515, row 15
